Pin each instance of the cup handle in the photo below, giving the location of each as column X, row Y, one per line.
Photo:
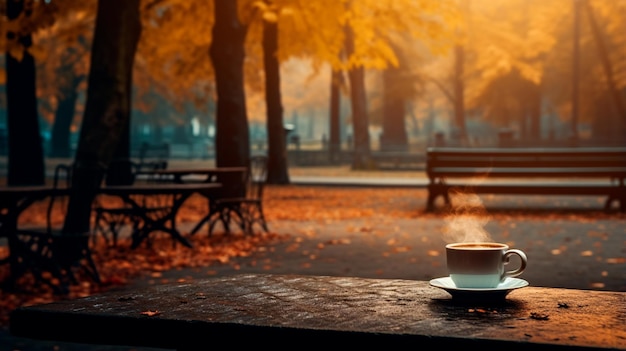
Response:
column 520, row 269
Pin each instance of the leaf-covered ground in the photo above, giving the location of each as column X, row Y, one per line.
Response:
column 120, row 265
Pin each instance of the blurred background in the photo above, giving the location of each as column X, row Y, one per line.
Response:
column 462, row 72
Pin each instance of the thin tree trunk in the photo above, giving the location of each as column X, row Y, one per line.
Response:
column 394, row 137
column 26, row 157
column 63, row 117
column 277, row 150
column 107, row 111
column 360, row 123
column 606, row 64
column 334, row 140
column 575, row 73
column 232, row 143
column 459, row 94
column 534, row 113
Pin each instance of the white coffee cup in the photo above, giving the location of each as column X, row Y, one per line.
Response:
column 481, row 265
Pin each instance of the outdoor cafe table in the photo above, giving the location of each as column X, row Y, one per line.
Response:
column 231, row 179
column 323, row 312
column 166, row 221
column 193, row 175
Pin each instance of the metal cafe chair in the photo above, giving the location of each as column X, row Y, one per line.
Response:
column 245, row 208
column 110, row 220
column 50, row 249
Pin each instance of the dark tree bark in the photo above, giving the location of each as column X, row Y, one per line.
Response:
column 107, row 111
column 360, row 122
column 277, row 172
column 63, row 117
column 334, row 141
column 232, row 142
column 26, row 157
column 394, row 137
column 459, row 94
column 575, row 73
column 534, row 112
column 606, row 64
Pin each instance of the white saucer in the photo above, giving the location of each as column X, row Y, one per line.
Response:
column 499, row 292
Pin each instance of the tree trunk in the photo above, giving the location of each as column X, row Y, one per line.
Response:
column 61, row 129
column 534, row 113
column 108, row 106
column 459, row 94
column 26, row 157
column 232, row 143
column 277, row 172
column 360, row 123
column 394, row 137
column 334, row 141
column 575, row 73
column 606, row 65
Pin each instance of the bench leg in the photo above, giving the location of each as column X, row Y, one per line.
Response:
column 430, row 203
column 620, row 200
column 446, row 198
column 434, row 191
column 622, row 203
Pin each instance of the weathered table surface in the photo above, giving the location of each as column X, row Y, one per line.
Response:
column 299, row 311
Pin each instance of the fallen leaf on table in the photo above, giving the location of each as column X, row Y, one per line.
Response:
column 151, row 313
column 539, row 316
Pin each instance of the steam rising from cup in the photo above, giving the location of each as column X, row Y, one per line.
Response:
column 466, row 222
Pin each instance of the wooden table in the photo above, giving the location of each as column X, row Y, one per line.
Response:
column 322, row 312
column 193, row 175
column 231, row 178
column 166, row 221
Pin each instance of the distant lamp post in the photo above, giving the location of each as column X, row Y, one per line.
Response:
column 288, row 127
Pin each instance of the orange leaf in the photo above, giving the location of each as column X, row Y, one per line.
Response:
column 151, row 313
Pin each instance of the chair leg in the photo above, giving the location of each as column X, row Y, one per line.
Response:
column 240, row 214
column 98, row 228
column 199, row 225
column 207, row 219
column 217, row 216
column 262, row 218
column 108, row 225
column 225, row 218
column 251, row 214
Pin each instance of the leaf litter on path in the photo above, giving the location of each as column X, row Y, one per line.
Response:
column 120, row 265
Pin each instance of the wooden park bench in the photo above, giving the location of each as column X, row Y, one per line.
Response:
column 579, row 171
column 283, row 312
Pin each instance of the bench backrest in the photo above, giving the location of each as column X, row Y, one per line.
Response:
column 447, row 161
column 153, row 156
